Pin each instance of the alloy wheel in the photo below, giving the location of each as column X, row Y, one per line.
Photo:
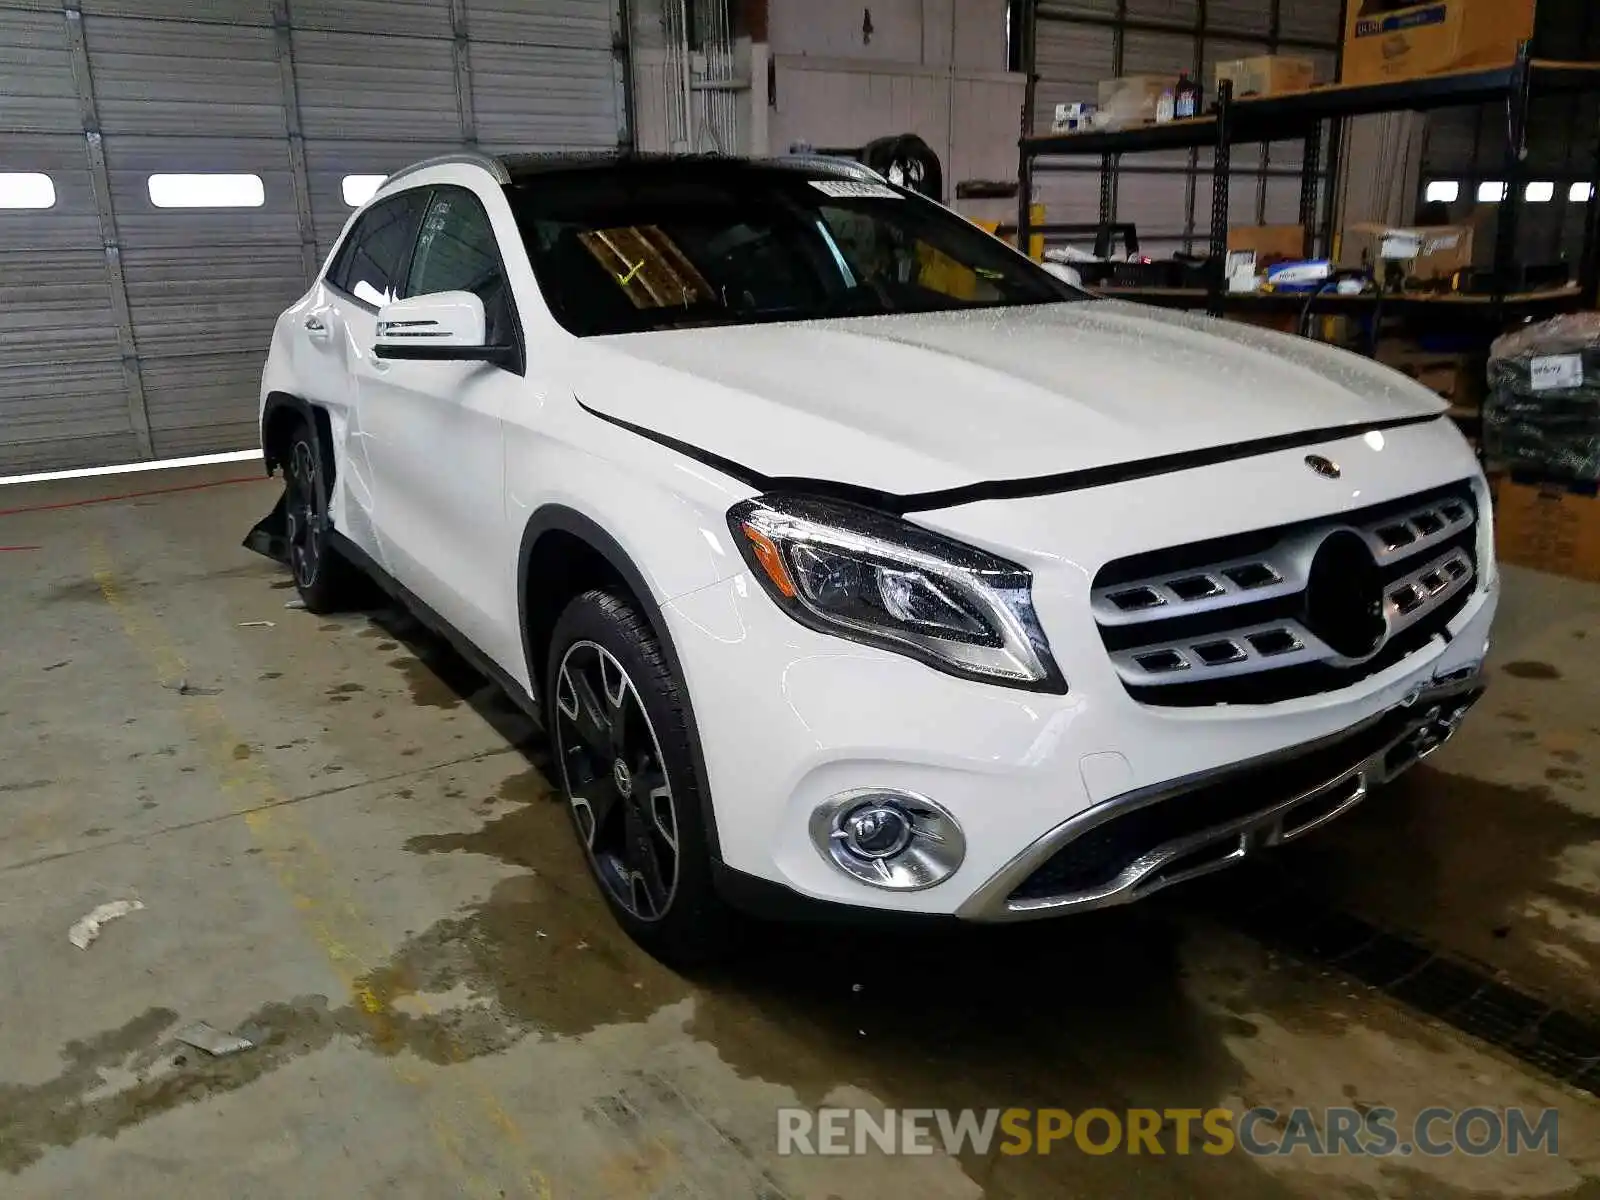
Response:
column 303, row 514
column 616, row 781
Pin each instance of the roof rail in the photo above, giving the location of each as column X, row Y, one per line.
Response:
column 470, row 158
column 811, row 160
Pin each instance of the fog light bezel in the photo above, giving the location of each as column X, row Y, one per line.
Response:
column 933, row 852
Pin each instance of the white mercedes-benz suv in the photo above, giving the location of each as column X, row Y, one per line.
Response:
column 857, row 565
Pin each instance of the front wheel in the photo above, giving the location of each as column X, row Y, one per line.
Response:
column 621, row 739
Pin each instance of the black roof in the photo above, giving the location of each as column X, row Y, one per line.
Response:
column 512, row 168
column 522, row 166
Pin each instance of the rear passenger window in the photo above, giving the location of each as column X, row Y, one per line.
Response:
column 372, row 263
column 457, row 252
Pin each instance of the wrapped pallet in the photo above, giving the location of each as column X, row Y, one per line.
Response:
column 1542, row 419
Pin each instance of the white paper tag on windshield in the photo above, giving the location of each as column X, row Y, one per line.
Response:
column 850, row 189
column 1557, row 371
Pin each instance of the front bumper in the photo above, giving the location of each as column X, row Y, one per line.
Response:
column 789, row 718
column 1135, row 845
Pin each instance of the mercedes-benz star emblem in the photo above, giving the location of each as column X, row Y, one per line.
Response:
column 1325, row 467
column 1344, row 597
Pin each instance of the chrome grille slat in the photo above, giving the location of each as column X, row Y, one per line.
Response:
column 1440, row 524
column 1431, row 595
column 1419, row 550
column 1307, row 649
column 1108, row 612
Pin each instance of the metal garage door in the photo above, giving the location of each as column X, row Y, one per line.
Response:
column 130, row 331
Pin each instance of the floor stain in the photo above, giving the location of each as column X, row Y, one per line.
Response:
column 1563, row 774
column 346, row 689
column 66, row 1109
column 78, row 591
column 820, row 1009
column 31, row 785
column 266, row 675
column 1531, row 670
column 1403, row 860
column 427, row 689
column 241, row 752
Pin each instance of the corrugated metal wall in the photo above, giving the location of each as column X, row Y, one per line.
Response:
column 1168, row 196
column 129, row 331
column 936, row 68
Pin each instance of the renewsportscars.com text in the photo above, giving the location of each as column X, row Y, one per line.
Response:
column 1366, row 1132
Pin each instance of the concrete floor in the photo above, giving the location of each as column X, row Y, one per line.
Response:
column 346, row 849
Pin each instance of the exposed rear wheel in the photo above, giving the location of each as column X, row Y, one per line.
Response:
column 326, row 582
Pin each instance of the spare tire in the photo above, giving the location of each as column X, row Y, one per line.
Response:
column 906, row 161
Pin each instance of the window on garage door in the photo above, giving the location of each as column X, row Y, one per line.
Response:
column 457, row 252
column 370, row 265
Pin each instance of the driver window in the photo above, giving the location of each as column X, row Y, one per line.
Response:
column 456, row 252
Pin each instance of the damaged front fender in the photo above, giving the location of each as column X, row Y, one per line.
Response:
column 270, row 536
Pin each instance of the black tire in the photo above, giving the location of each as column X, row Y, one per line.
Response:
column 616, row 810
column 326, row 581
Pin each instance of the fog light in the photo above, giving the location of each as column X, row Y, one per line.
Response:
column 889, row 839
column 876, row 831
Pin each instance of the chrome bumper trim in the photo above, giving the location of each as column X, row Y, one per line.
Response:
column 1437, row 714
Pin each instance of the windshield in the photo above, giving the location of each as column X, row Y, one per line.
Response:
column 668, row 245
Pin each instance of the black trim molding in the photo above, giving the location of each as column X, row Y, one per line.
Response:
column 1015, row 489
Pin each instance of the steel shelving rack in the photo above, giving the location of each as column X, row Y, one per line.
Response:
column 1300, row 117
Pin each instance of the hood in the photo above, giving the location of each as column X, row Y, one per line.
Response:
column 929, row 402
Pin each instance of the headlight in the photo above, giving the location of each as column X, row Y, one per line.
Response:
column 860, row 574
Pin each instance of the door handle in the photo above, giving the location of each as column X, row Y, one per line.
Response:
column 317, row 328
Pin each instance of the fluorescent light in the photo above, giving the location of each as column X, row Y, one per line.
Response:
column 1447, row 191
column 1541, row 193
column 206, row 191
column 358, row 189
column 161, row 464
column 1581, row 193
column 1492, row 192
column 26, row 189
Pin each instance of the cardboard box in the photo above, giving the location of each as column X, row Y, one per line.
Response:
column 1271, row 243
column 1548, row 529
column 1458, row 377
column 1131, row 99
column 1386, row 40
column 1266, row 75
column 1428, row 251
column 1459, row 381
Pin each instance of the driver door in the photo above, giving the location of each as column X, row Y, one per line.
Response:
column 436, row 444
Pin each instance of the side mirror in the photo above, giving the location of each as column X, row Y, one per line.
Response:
column 441, row 327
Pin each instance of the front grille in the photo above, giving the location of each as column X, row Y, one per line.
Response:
column 1275, row 614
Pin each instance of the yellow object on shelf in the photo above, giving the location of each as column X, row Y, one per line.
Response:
column 1035, row 241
